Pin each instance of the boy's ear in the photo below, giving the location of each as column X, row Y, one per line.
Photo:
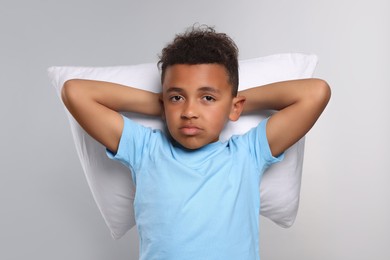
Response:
column 237, row 108
column 162, row 107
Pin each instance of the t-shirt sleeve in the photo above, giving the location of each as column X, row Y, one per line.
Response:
column 259, row 146
column 133, row 143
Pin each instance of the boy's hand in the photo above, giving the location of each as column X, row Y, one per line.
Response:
column 300, row 103
column 95, row 106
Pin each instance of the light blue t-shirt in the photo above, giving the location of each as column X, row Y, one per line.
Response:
column 196, row 204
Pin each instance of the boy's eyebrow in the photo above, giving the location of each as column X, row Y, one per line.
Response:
column 209, row 89
column 174, row 89
column 202, row 89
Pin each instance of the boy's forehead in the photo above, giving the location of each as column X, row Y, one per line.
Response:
column 198, row 75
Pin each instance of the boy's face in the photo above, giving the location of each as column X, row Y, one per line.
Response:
column 198, row 102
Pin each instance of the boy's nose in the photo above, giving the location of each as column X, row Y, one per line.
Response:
column 189, row 111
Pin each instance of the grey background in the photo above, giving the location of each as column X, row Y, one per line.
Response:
column 47, row 210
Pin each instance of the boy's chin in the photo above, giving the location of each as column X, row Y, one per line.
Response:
column 191, row 143
column 192, row 146
column 188, row 145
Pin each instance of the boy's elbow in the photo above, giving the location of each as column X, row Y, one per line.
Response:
column 68, row 91
column 322, row 92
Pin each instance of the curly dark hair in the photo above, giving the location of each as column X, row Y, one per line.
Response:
column 202, row 45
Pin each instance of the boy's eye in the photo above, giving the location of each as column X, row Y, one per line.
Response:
column 208, row 98
column 176, row 98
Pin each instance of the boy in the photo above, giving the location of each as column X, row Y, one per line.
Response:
column 196, row 197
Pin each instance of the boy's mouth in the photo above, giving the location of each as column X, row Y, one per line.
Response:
column 190, row 130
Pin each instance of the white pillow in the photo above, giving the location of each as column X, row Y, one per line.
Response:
column 110, row 181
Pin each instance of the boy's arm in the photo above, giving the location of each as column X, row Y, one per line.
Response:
column 300, row 103
column 95, row 106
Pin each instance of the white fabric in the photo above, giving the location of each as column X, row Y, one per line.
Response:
column 110, row 181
